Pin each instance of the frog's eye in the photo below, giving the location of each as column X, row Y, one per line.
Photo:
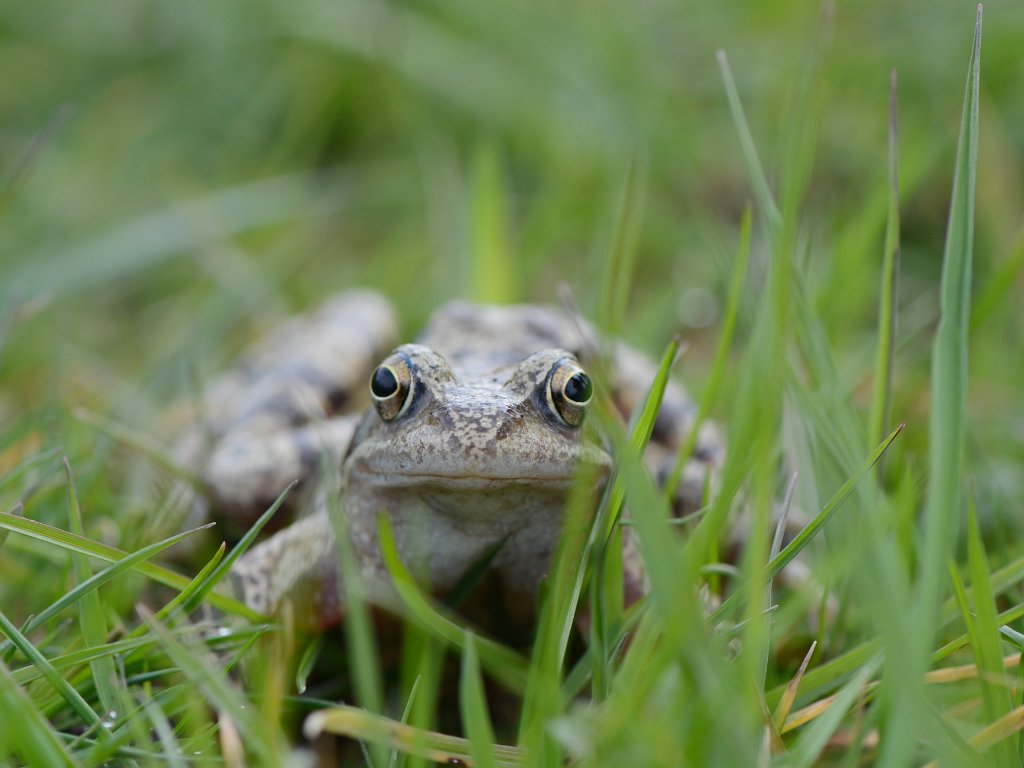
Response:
column 391, row 387
column 570, row 391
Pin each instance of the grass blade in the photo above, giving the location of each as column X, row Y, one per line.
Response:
column 73, row 542
column 220, row 569
column 494, row 267
column 995, row 686
column 440, row 748
column 721, row 360
column 48, row 671
column 947, row 421
column 618, row 272
column 475, row 720
column 507, row 667
column 102, row 577
column 762, row 192
column 363, row 659
column 26, row 729
column 90, row 611
column 812, row 741
column 889, row 295
column 812, row 529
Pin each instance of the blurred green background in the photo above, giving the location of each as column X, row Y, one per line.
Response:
column 179, row 176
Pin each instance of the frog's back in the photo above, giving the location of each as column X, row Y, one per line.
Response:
column 484, row 343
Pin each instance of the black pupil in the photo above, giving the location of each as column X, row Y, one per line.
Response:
column 578, row 388
column 383, row 383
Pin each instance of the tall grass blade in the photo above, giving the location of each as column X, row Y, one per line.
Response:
column 618, row 273
column 947, row 421
column 721, row 359
column 581, row 531
column 475, row 720
column 889, row 296
column 363, row 659
column 762, row 192
column 494, row 266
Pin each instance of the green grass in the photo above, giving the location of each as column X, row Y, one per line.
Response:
column 179, row 178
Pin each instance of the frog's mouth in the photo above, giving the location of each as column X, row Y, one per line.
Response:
column 472, row 482
column 384, row 473
column 396, row 478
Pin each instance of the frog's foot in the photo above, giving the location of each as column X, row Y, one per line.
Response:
column 273, row 417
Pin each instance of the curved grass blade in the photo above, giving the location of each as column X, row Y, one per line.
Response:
column 102, row 577
column 72, row 542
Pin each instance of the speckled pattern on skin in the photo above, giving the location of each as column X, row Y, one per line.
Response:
column 478, row 454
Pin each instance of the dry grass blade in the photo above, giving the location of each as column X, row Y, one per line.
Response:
column 359, row 724
column 789, row 695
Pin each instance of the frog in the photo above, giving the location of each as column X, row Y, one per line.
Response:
column 468, row 439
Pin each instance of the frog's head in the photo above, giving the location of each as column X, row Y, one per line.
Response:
column 430, row 430
column 462, row 465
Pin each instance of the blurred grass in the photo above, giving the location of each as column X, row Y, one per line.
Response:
column 175, row 178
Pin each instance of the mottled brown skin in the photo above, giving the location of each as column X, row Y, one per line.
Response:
column 480, row 455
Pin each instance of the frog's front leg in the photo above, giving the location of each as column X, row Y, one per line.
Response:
column 279, row 413
column 298, row 564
